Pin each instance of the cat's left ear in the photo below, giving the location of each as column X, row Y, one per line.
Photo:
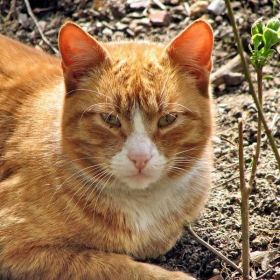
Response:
column 79, row 51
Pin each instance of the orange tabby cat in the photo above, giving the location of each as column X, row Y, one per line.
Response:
column 102, row 161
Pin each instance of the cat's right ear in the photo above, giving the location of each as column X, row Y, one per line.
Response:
column 79, row 51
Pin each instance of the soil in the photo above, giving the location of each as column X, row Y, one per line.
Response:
column 220, row 222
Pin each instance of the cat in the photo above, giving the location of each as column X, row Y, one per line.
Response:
column 103, row 153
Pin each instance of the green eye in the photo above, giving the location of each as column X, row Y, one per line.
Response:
column 111, row 119
column 167, row 120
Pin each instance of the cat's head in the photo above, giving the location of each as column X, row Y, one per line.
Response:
column 136, row 112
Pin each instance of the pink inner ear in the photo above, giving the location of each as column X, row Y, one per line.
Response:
column 194, row 44
column 79, row 49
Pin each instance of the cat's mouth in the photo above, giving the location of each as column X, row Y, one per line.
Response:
column 140, row 176
column 139, row 180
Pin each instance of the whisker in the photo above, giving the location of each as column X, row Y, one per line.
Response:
column 100, row 176
column 103, row 187
column 79, row 174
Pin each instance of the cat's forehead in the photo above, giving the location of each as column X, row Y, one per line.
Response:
column 135, row 77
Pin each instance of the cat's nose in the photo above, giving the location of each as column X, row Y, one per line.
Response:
column 139, row 160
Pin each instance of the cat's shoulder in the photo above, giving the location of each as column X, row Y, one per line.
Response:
column 24, row 68
column 14, row 50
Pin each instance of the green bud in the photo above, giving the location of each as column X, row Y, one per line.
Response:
column 264, row 37
column 269, row 53
column 257, row 40
column 273, row 24
column 270, row 38
column 257, row 27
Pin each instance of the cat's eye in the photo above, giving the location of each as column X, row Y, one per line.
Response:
column 111, row 120
column 167, row 120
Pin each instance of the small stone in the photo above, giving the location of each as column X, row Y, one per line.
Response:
column 121, row 26
column 234, row 79
column 216, row 7
column 108, row 32
column 179, row 10
column 160, row 18
column 216, row 140
column 198, row 8
column 145, row 22
column 24, row 21
column 138, row 5
column 130, row 32
column 236, row 113
column 140, row 30
column 118, row 10
column 139, row 22
column 174, row 2
column 126, row 20
column 270, row 178
column 136, row 15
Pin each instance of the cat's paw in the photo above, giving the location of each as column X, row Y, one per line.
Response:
column 158, row 273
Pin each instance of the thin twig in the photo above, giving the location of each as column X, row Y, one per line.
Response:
column 228, row 141
column 29, row 10
column 259, row 133
column 251, row 87
column 210, row 248
column 226, row 182
column 245, row 192
column 12, row 10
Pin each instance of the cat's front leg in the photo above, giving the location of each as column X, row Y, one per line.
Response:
column 53, row 263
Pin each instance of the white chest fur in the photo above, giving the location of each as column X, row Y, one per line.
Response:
column 145, row 208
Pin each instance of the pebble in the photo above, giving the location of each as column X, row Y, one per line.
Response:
column 24, row 21
column 160, row 18
column 136, row 15
column 236, row 113
column 108, row 32
column 234, row 79
column 216, row 7
column 198, row 8
column 134, row 24
column 138, row 5
column 121, row 26
column 118, row 10
column 126, row 20
column 180, row 10
column 270, row 178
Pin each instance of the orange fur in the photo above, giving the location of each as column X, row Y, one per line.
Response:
column 66, row 212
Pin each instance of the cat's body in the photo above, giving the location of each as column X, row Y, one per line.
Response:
column 112, row 168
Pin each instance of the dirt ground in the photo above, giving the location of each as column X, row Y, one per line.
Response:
column 161, row 20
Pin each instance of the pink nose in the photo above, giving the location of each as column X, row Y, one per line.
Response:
column 139, row 160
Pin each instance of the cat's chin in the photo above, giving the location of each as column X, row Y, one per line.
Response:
column 139, row 181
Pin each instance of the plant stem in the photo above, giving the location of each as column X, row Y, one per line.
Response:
column 259, row 133
column 245, row 193
column 212, row 249
column 251, row 87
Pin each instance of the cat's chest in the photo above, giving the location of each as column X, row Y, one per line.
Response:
column 170, row 198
